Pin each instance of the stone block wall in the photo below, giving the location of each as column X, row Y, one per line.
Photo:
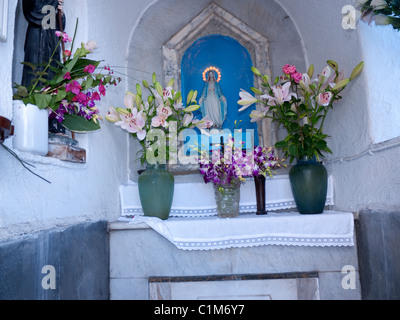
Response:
column 59, row 264
column 378, row 238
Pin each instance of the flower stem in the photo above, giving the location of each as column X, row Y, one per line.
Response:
column 47, row 66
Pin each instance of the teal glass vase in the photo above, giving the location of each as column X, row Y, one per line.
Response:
column 156, row 191
column 309, row 184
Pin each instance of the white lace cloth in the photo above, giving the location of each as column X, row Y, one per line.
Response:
column 194, row 199
column 331, row 228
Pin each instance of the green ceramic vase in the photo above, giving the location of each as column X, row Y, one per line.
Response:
column 309, row 184
column 156, row 191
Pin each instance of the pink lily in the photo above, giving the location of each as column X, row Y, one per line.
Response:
column 281, row 95
column 164, row 110
column 323, row 99
column 133, row 122
column 159, row 121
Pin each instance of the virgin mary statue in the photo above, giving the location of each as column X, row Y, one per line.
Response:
column 212, row 101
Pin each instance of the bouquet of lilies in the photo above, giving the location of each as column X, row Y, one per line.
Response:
column 157, row 118
column 300, row 103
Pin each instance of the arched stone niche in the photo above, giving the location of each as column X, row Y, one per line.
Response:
column 216, row 20
column 168, row 27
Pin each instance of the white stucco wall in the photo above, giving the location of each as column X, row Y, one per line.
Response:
column 90, row 191
column 366, row 175
column 381, row 50
column 78, row 192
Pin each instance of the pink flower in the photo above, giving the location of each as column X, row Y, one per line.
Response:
column 164, row 110
column 81, row 98
column 74, row 87
column 89, row 68
column 281, row 95
column 296, row 77
column 67, row 53
column 288, row 69
column 67, row 76
column 167, row 93
column 96, row 96
column 323, row 99
column 64, row 35
column 159, row 121
column 133, row 122
column 102, row 90
column 91, row 45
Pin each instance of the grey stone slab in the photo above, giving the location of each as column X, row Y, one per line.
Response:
column 391, row 235
column 330, row 286
column 280, row 259
column 79, row 255
column 378, row 235
column 129, row 289
column 145, row 253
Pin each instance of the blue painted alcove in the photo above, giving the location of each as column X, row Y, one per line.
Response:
column 234, row 63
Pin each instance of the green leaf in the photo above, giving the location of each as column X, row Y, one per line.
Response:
column 79, row 124
column 280, row 144
column 293, row 150
column 42, row 101
column 30, row 65
column 89, row 82
column 22, row 91
column 60, row 95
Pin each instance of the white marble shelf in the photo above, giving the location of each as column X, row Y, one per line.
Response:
column 331, row 228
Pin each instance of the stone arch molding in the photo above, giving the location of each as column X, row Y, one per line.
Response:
column 215, row 20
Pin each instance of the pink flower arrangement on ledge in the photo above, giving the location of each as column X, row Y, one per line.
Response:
column 156, row 119
column 71, row 95
column 299, row 102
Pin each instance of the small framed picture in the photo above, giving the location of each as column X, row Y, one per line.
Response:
column 3, row 19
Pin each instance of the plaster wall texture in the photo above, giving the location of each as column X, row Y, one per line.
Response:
column 78, row 192
column 381, row 49
column 130, row 35
column 367, row 114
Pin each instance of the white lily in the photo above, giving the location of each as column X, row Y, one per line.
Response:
column 246, row 99
column 305, row 82
column 379, row 4
column 112, row 115
column 381, row 20
column 257, row 115
column 187, row 119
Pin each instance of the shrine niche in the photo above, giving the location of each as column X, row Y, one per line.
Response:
column 168, row 28
column 211, row 23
